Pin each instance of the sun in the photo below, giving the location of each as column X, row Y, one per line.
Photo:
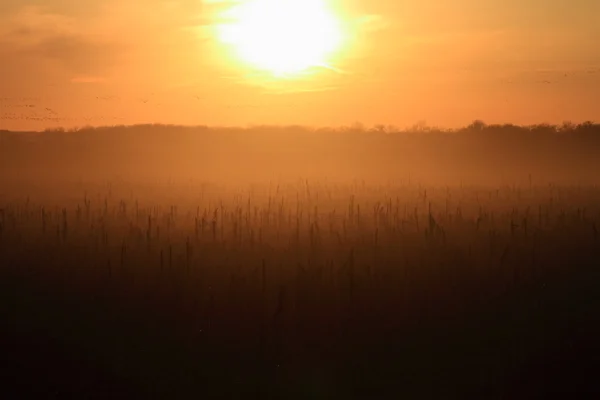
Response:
column 283, row 37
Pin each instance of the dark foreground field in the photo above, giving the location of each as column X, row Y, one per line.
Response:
column 306, row 292
column 297, row 288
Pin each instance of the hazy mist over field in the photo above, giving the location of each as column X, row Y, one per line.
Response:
column 475, row 155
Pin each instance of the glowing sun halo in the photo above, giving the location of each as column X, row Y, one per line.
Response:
column 281, row 36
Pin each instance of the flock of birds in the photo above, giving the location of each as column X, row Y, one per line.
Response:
column 28, row 108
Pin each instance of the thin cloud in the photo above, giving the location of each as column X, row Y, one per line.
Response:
column 88, row 79
column 37, row 34
column 372, row 23
column 320, row 89
column 77, row 53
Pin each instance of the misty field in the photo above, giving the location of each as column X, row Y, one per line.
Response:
column 299, row 288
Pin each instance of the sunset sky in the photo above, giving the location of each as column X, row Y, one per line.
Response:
column 106, row 62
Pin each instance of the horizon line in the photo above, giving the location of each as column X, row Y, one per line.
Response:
column 356, row 126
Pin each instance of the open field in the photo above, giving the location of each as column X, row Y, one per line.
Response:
column 261, row 284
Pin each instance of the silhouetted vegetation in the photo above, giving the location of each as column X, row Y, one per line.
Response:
column 171, row 262
column 478, row 154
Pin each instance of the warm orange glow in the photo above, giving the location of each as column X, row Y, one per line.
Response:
column 282, row 36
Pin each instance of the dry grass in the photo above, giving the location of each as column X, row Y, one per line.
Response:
column 314, row 288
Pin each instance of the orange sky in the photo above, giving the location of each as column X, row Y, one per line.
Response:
column 100, row 62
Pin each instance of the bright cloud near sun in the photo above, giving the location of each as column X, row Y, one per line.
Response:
column 283, row 37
